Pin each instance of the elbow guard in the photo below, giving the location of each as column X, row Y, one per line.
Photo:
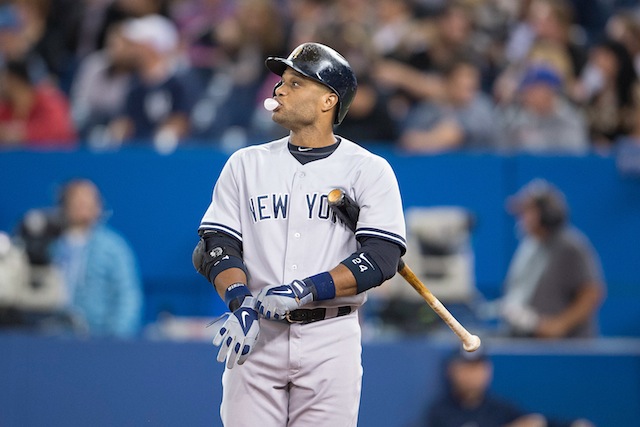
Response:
column 216, row 252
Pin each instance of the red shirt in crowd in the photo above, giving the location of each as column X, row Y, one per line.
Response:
column 47, row 125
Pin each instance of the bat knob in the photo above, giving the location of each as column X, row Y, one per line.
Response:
column 335, row 196
column 472, row 344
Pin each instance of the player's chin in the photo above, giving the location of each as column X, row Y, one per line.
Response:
column 281, row 119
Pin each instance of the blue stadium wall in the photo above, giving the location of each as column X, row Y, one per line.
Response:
column 157, row 202
column 58, row 382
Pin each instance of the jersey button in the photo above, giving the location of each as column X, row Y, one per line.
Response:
column 297, row 235
column 294, row 267
column 301, row 174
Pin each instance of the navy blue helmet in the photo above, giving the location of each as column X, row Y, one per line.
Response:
column 324, row 65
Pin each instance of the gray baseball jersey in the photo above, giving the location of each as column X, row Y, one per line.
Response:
column 278, row 208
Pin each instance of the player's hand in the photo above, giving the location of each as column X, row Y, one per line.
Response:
column 276, row 301
column 238, row 334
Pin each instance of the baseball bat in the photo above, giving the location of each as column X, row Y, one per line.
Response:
column 346, row 210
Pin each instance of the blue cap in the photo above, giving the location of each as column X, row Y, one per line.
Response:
column 540, row 74
column 9, row 17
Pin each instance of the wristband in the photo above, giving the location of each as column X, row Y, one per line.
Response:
column 365, row 270
column 322, row 286
column 235, row 295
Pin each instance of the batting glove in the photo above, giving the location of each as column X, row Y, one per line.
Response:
column 238, row 334
column 276, row 301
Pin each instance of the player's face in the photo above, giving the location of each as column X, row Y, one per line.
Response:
column 301, row 99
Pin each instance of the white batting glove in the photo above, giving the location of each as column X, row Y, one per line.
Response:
column 276, row 301
column 238, row 334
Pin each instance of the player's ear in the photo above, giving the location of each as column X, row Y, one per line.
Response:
column 329, row 101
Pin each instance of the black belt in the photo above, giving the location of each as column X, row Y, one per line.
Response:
column 304, row 315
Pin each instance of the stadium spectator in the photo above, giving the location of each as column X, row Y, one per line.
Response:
column 554, row 285
column 32, row 115
column 393, row 34
column 540, row 119
column 624, row 27
column 541, row 54
column 100, row 87
column 370, row 118
column 468, row 401
column 91, row 27
column 54, row 27
column 98, row 265
column 463, row 118
column 425, row 45
column 303, row 19
column 609, row 90
column 402, row 71
column 119, row 11
column 20, row 30
column 160, row 97
column 550, row 21
column 451, row 35
column 232, row 91
column 196, row 21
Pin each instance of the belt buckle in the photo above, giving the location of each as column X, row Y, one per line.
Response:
column 290, row 320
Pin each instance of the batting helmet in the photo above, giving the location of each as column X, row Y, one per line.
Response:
column 324, row 65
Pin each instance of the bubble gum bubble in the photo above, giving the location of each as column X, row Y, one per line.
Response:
column 270, row 104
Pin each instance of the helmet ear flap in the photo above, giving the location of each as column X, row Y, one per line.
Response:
column 276, row 87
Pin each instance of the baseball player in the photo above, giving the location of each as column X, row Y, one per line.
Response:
column 292, row 276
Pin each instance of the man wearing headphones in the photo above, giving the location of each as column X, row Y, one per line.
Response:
column 554, row 284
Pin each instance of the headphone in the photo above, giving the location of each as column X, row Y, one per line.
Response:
column 550, row 202
column 552, row 212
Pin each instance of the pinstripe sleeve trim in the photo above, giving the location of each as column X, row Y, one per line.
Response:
column 374, row 232
column 221, row 227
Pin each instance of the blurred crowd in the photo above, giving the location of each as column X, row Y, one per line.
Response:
column 525, row 75
column 66, row 271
